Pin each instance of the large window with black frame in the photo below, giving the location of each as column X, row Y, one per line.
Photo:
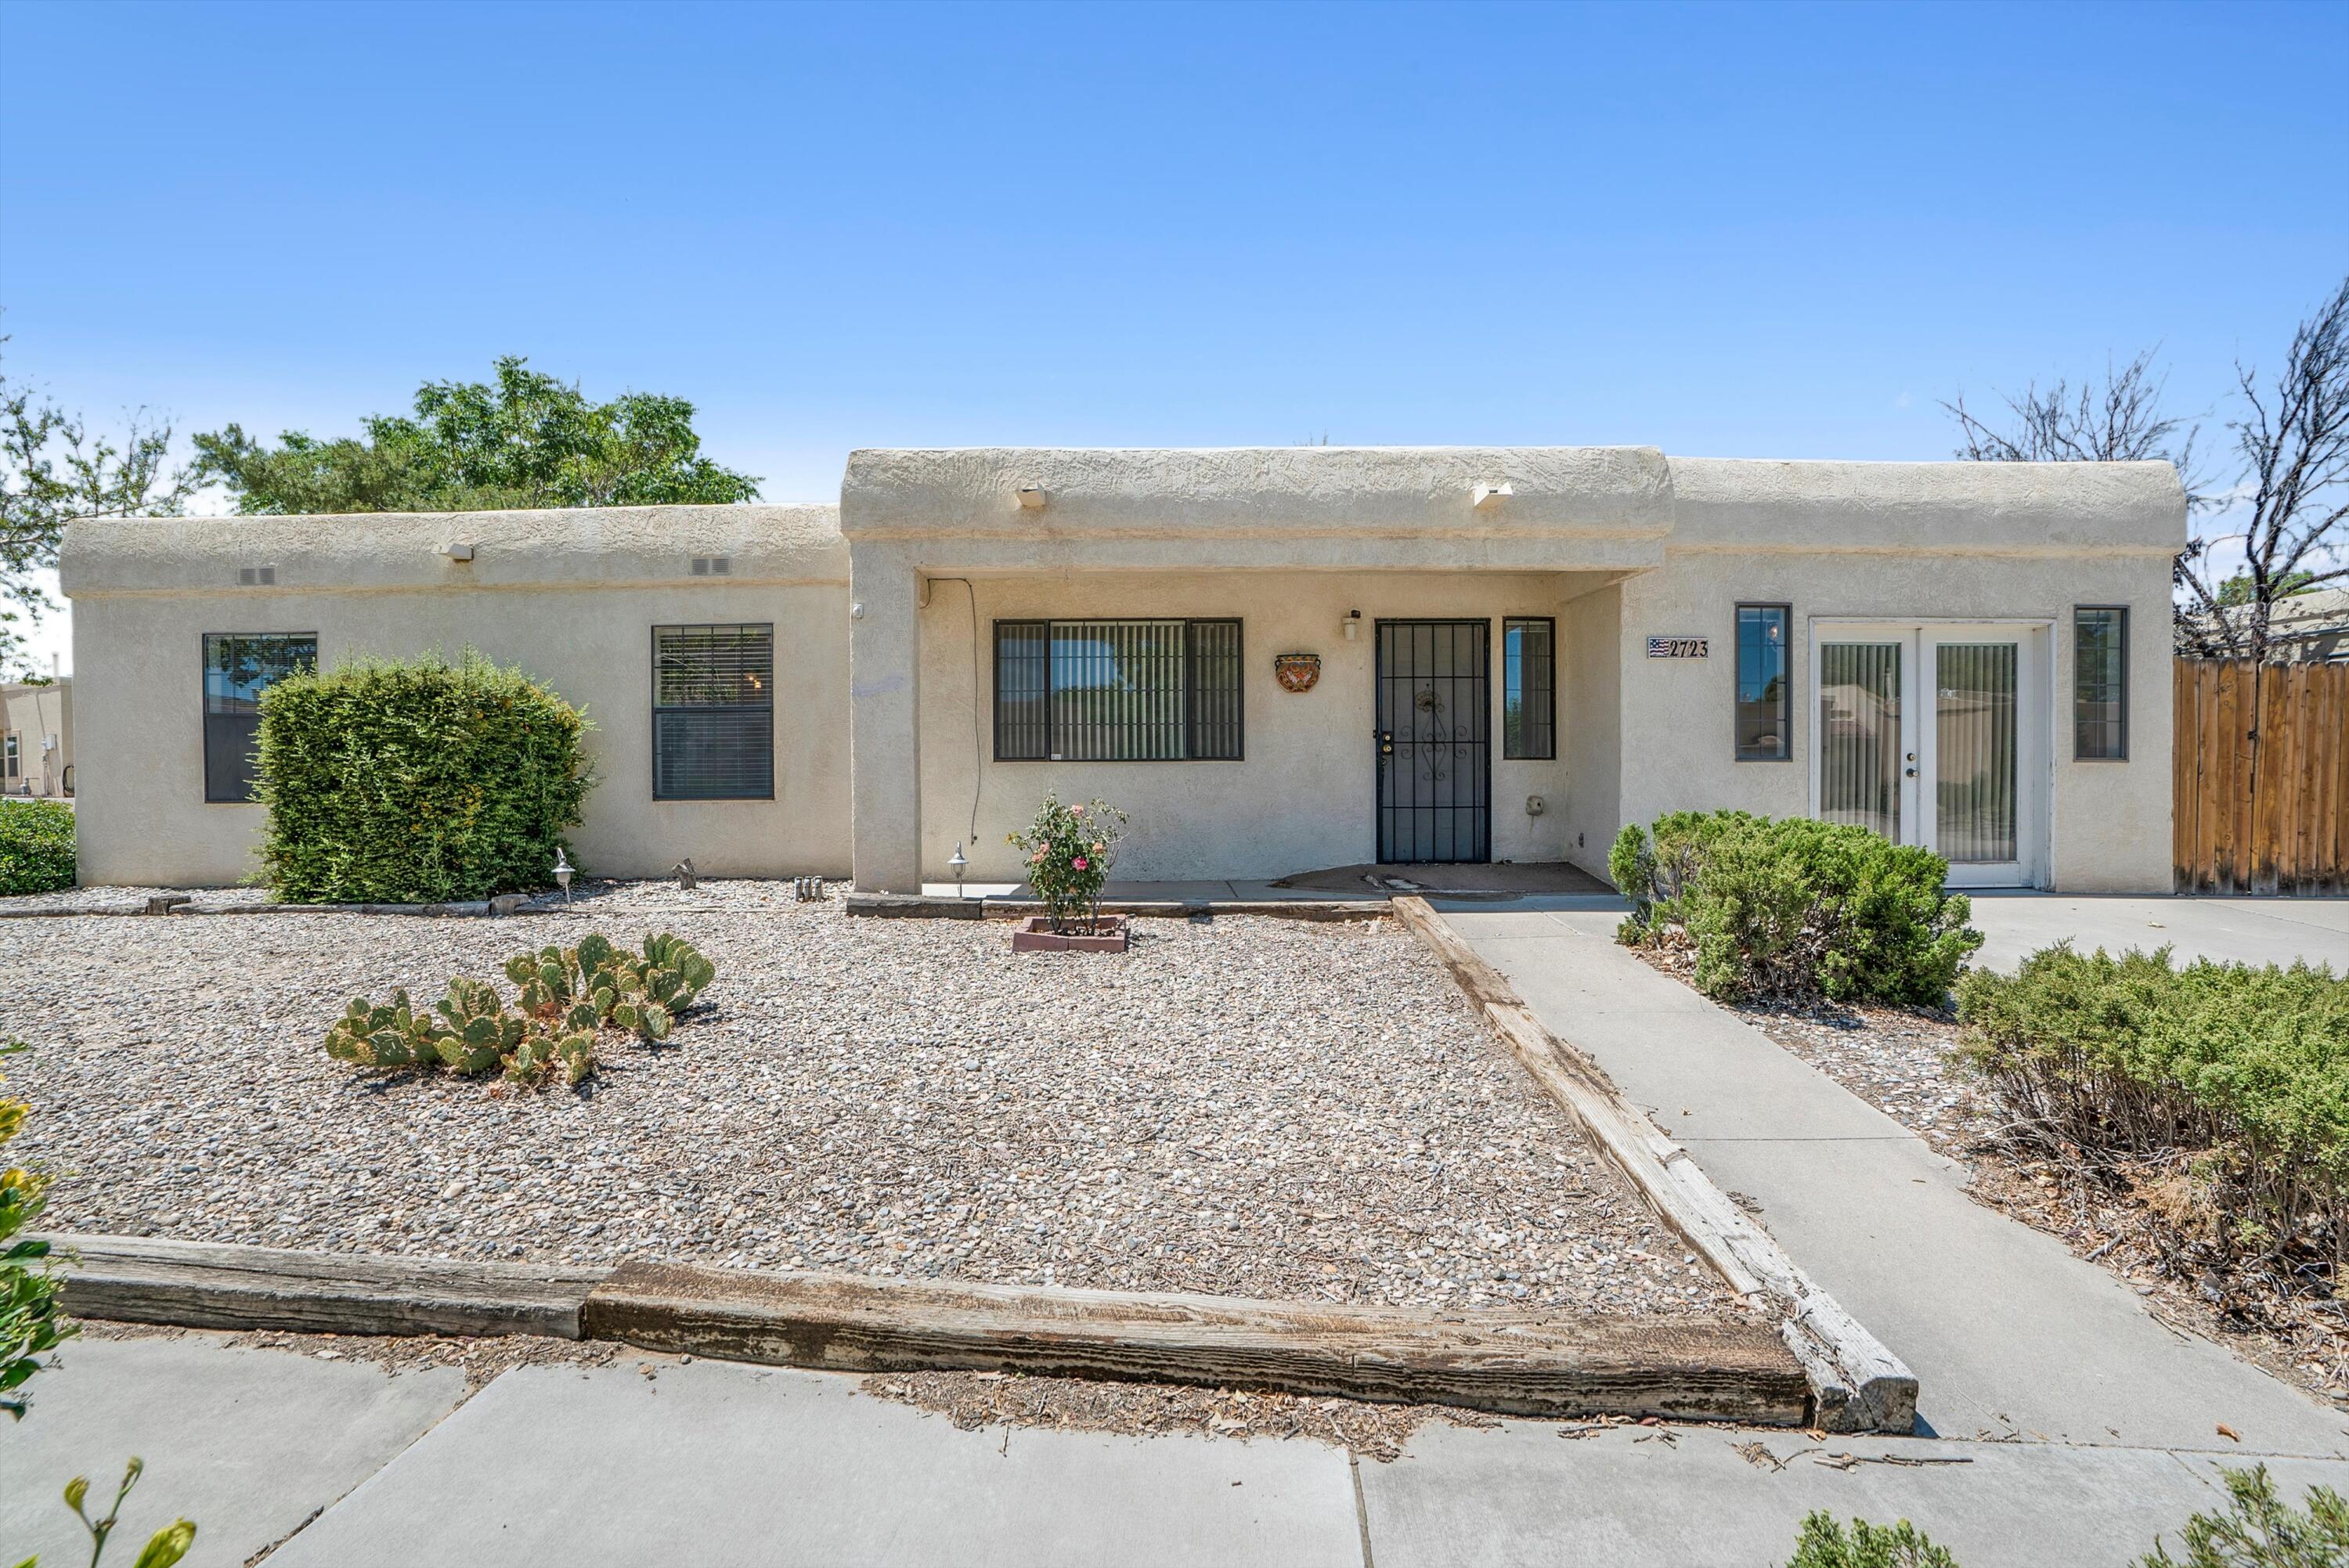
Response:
column 1765, row 704
column 714, row 712
column 238, row 668
column 1118, row 691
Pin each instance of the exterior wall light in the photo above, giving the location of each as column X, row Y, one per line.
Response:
column 1486, row 495
column 1352, row 626
column 1032, row 498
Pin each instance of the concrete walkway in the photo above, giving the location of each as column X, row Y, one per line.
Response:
column 2232, row 930
column 2010, row 1335
column 340, row 1465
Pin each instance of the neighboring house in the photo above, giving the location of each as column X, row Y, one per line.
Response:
column 2311, row 628
column 37, row 737
column 1274, row 659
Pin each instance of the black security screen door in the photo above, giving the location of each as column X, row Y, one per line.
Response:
column 1435, row 745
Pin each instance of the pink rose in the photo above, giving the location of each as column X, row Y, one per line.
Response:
column 1079, row 862
column 1037, row 859
column 1076, row 811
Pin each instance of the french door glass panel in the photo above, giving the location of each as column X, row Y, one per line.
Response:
column 1975, row 690
column 1861, row 748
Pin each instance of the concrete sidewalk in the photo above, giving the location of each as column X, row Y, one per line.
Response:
column 2230, row 929
column 2009, row 1334
column 726, row 1466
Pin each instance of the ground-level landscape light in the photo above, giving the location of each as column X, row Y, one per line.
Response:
column 960, row 865
column 563, row 874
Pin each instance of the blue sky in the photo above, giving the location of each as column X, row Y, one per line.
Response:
column 1724, row 229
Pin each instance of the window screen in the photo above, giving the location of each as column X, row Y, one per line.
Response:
column 714, row 713
column 1528, row 700
column 1117, row 691
column 1764, row 690
column 238, row 668
column 2100, row 685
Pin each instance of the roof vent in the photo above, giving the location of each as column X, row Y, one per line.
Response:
column 713, row 566
column 257, row 576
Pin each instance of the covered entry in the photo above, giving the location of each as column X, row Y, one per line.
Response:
column 1434, row 746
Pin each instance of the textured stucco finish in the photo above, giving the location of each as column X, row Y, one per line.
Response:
column 570, row 597
column 1305, row 794
column 33, row 714
column 874, row 762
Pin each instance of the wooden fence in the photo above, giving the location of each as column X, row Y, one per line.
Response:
column 2261, row 769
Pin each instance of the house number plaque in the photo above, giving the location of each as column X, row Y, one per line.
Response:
column 1677, row 647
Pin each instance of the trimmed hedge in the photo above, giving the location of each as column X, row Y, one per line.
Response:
column 1790, row 909
column 417, row 782
column 2242, row 1072
column 36, row 846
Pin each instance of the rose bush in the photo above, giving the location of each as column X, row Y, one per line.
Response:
column 1070, row 849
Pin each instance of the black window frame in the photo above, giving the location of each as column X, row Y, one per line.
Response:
column 1192, row 657
column 1512, row 746
column 1738, row 750
column 2121, row 682
column 205, row 702
column 659, row 708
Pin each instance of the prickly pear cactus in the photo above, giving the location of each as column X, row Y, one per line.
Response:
column 376, row 1035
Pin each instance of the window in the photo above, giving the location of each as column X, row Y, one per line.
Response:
column 1117, row 691
column 1764, row 690
column 714, row 713
column 10, row 767
column 238, row 668
column 1528, row 688
column 2099, row 684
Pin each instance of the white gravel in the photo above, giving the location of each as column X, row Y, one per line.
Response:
column 1250, row 1106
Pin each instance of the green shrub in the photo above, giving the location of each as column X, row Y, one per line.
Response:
column 2243, row 1071
column 417, row 782
column 1824, row 1543
column 2260, row 1530
column 569, row 997
column 36, row 846
column 1070, row 849
column 1792, row 909
column 29, row 1324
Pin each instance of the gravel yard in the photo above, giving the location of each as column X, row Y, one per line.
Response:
column 1250, row 1106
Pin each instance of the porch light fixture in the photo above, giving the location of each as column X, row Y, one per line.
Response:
column 1032, row 498
column 1352, row 626
column 1485, row 495
column 960, row 864
column 563, row 869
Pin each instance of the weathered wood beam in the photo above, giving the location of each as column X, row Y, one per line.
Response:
column 1523, row 1365
column 208, row 1284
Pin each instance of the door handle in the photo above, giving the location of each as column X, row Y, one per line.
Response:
column 1386, row 741
column 1911, row 772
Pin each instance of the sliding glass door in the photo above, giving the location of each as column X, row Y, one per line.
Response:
column 1935, row 736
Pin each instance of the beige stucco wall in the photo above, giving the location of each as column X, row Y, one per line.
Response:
column 1923, row 542
column 570, row 597
column 1304, row 797
column 33, row 713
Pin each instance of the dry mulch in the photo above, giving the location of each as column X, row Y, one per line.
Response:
column 1244, row 1107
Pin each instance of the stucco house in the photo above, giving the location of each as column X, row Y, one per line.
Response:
column 37, row 737
column 1274, row 659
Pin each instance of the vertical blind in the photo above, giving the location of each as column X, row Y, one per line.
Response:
column 2100, row 685
column 238, row 668
column 1859, row 735
column 1117, row 691
column 1764, row 693
column 1974, row 765
column 1528, row 688
column 714, row 713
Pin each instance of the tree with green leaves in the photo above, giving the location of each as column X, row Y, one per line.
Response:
column 53, row 468
column 524, row 440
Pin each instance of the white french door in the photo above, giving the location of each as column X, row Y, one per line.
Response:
column 1937, row 735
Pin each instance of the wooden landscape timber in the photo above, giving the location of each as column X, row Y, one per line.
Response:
column 208, row 1284
column 1510, row 1363
column 1858, row 1384
column 907, row 906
